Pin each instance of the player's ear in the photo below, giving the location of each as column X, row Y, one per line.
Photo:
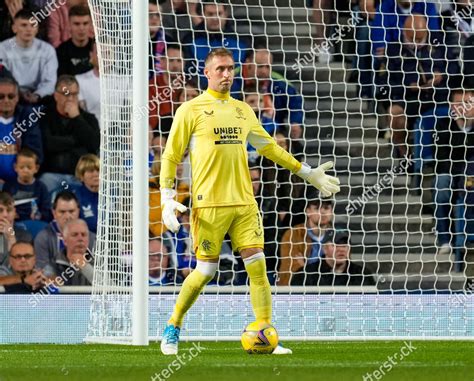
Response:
column 206, row 72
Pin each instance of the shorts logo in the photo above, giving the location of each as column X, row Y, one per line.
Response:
column 206, row 245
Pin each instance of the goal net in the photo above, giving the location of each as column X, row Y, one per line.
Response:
column 369, row 89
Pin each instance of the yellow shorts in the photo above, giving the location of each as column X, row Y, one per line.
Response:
column 210, row 225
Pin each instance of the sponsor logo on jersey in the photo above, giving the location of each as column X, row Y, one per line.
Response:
column 228, row 135
column 210, row 113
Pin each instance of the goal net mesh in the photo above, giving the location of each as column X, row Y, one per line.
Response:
column 366, row 89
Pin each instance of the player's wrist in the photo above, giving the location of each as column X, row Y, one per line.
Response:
column 305, row 171
column 167, row 194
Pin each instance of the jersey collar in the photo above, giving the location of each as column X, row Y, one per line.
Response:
column 217, row 95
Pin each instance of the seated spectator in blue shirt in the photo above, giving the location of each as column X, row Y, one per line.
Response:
column 30, row 195
column 9, row 232
column 215, row 31
column 416, row 78
column 87, row 171
column 21, row 276
column 336, row 267
column 288, row 102
column 161, row 270
column 390, row 19
column 19, row 127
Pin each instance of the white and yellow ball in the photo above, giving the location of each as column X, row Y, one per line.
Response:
column 259, row 338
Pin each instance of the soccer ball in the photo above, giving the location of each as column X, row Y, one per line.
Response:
column 259, row 338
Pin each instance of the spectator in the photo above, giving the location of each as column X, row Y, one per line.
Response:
column 68, row 133
column 87, row 171
column 160, row 264
column 214, row 31
column 454, row 149
column 301, row 245
column 19, row 128
column 163, row 90
column 336, row 268
column 9, row 232
column 264, row 114
column 417, row 79
column 158, row 38
column 75, row 263
column 457, row 24
column 74, row 54
column 31, row 195
column 323, row 14
column 32, row 62
column 59, row 29
column 390, row 20
column 267, row 206
column 285, row 187
column 179, row 17
column 188, row 92
column 8, row 10
column 49, row 243
column 21, row 276
column 89, row 85
column 257, row 71
column 184, row 248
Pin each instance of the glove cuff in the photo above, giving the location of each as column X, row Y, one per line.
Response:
column 167, row 194
column 304, row 171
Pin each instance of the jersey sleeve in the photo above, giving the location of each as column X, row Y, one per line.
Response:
column 180, row 134
column 266, row 146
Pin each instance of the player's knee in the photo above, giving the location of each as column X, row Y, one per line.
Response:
column 208, row 269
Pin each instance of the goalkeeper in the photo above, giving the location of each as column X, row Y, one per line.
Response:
column 217, row 127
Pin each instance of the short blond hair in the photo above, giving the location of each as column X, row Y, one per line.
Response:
column 87, row 162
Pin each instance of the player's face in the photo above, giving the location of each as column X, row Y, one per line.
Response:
column 22, row 258
column 215, row 17
column 80, row 27
column 65, row 211
column 220, row 73
column 77, row 238
column 24, row 30
column 8, row 100
column 26, row 168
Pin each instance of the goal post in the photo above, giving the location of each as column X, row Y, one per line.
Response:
column 119, row 300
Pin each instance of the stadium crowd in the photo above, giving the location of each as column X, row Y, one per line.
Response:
column 407, row 59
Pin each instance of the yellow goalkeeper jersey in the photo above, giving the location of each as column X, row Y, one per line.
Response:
column 216, row 127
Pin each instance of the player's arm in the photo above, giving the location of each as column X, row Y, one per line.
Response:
column 177, row 143
column 266, row 146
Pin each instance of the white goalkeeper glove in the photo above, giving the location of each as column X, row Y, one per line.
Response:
column 168, row 209
column 327, row 185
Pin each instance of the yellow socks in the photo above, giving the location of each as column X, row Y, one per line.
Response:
column 190, row 290
column 260, row 292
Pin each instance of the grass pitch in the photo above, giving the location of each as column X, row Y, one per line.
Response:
column 226, row 361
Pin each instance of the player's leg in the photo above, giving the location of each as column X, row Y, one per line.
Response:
column 207, row 237
column 246, row 233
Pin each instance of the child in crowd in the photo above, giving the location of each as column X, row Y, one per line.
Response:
column 31, row 196
column 87, row 171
